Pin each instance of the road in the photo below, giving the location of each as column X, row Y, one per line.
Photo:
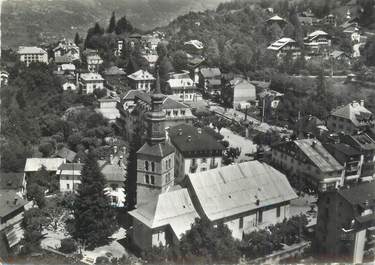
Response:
column 235, row 140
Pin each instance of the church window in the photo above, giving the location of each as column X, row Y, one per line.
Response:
column 152, row 166
column 152, row 180
column 146, row 165
column 147, row 179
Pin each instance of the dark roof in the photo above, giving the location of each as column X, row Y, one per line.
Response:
column 308, row 124
column 8, row 204
column 11, row 180
column 345, row 149
column 114, row 70
column 359, row 194
column 71, row 166
column 210, row 72
column 363, row 140
column 200, row 139
column 66, row 153
column 157, row 150
column 168, row 103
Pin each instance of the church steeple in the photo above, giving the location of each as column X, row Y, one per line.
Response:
column 156, row 117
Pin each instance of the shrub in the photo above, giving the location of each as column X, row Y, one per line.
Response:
column 68, row 245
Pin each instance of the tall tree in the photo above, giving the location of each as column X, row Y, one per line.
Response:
column 131, row 178
column 112, row 23
column 77, row 39
column 94, row 219
column 179, row 60
column 124, row 26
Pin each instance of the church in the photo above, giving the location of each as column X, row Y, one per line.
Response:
column 245, row 196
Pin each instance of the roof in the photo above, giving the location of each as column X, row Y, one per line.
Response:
column 335, row 54
column 93, row 57
column 231, row 190
column 70, row 169
column 64, row 59
column 141, row 75
column 200, row 140
column 114, row 70
column 277, row 45
column 168, row 103
column 91, row 77
column 243, row 90
column 68, row 67
column 173, row 208
column 11, row 180
column 51, row 164
column 317, row 33
column 151, row 58
column 308, row 124
column 180, row 82
column 30, row 50
column 363, row 140
column 111, row 172
column 276, row 18
column 210, row 72
column 157, row 150
column 66, row 153
column 344, row 149
column 359, row 194
column 318, row 155
column 8, row 204
column 131, row 94
column 196, row 43
column 353, row 111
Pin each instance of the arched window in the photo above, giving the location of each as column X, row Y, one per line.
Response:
column 146, row 165
column 152, row 166
column 152, row 180
column 147, row 179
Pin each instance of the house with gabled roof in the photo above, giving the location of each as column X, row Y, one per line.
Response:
column 94, row 61
column 285, row 46
column 32, row 54
column 317, row 42
column 350, row 118
column 210, row 80
column 308, row 163
column 276, row 20
column 141, row 80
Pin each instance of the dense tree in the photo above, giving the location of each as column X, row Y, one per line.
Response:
column 209, row 243
column 131, row 177
column 33, row 222
column 179, row 60
column 369, row 52
column 77, row 39
column 94, row 219
column 124, row 26
column 47, row 149
column 35, row 192
column 112, row 23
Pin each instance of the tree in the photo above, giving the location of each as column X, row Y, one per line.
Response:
column 94, row 219
column 77, row 39
column 35, row 192
column 179, row 60
column 112, row 23
column 230, row 155
column 208, row 243
column 33, row 222
column 131, row 178
column 124, row 26
column 369, row 52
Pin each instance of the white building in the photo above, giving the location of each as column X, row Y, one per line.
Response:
column 67, row 48
column 90, row 81
column 108, row 108
column 94, row 61
column 69, row 176
column 32, row 54
column 183, row 88
column 285, row 46
column 141, row 80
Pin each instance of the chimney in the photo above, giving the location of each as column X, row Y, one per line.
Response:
column 362, row 102
column 189, row 138
column 111, row 159
column 199, row 131
column 180, row 131
column 15, row 200
column 313, row 143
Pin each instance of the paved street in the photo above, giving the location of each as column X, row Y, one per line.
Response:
column 246, row 145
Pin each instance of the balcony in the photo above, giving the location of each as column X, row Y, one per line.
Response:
column 193, row 168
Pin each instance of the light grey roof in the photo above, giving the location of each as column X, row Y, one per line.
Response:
column 173, row 208
column 31, row 50
column 353, row 111
column 111, row 172
column 10, row 201
column 51, row 164
column 231, row 190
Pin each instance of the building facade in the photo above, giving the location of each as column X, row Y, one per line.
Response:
column 141, row 80
column 90, row 81
column 29, row 55
column 94, row 61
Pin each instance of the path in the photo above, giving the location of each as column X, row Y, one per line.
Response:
column 247, row 146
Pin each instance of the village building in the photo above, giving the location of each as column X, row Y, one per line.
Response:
column 108, row 108
column 276, row 20
column 307, row 18
column 67, row 69
column 210, row 80
column 69, row 177
column 308, row 163
column 141, row 80
column 88, row 82
column 94, row 61
column 66, row 153
column 244, row 92
column 183, row 88
column 33, row 165
column 4, row 77
column 285, row 46
column 12, row 207
column 270, row 95
column 29, row 55
column 345, row 227
column 246, row 196
column 68, row 83
column 317, row 42
column 151, row 60
column 309, row 127
column 350, row 118
column 67, row 48
column 195, row 150
column 193, row 47
column 340, row 58
column 363, row 143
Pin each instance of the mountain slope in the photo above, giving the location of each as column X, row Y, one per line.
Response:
column 28, row 22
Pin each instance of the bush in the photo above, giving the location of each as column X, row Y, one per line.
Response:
column 68, row 245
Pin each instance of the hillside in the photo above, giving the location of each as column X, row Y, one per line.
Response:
column 28, row 22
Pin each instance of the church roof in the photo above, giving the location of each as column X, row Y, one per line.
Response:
column 156, row 150
column 173, row 208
